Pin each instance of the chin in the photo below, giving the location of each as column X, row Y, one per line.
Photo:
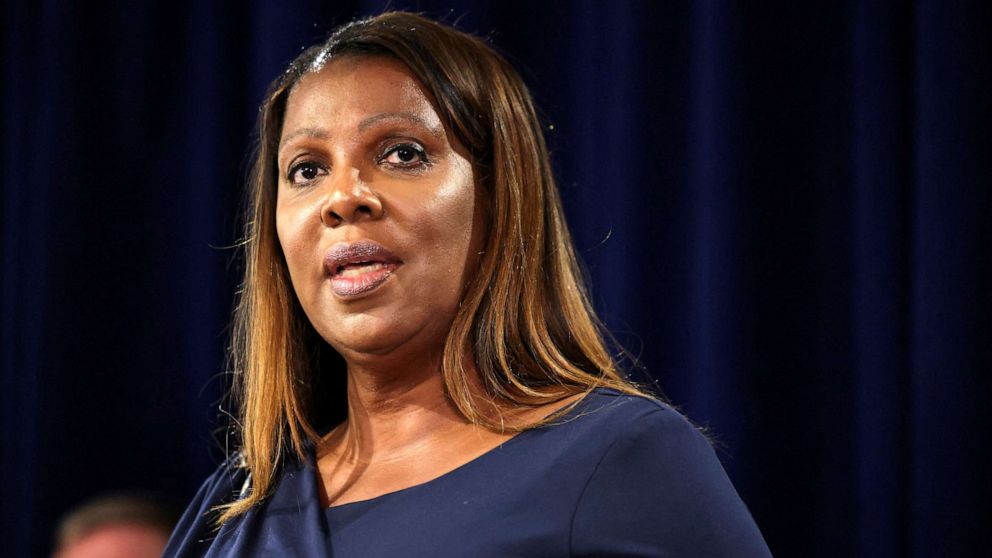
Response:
column 359, row 334
column 367, row 335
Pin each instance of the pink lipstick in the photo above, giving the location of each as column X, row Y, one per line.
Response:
column 356, row 268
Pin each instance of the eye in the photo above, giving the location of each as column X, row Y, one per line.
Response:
column 305, row 172
column 405, row 156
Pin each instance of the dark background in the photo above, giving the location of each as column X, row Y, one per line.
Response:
column 783, row 209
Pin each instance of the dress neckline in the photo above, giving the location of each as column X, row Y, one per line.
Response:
column 473, row 463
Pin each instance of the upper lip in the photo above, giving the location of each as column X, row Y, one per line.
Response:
column 361, row 251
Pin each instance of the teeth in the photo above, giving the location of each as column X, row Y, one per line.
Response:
column 357, row 269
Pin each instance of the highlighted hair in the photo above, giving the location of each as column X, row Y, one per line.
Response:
column 525, row 316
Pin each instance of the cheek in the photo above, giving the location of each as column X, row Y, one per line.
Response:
column 437, row 216
column 292, row 225
column 285, row 233
column 455, row 220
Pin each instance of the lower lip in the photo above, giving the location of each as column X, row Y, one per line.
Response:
column 355, row 285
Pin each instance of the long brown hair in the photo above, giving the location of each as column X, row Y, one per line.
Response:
column 525, row 316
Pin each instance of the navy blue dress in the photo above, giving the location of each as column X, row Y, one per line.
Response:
column 617, row 476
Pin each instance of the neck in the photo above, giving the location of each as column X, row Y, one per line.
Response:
column 394, row 414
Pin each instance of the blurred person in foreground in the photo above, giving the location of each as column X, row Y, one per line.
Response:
column 116, row 526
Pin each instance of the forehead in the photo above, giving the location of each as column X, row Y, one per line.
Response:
column 352, row 88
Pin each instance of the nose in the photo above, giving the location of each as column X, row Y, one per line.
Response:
column 349, row 200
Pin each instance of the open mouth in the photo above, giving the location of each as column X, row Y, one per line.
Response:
column 359, row 267
column 360, row 278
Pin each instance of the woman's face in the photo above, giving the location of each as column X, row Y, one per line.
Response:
column 376, row 210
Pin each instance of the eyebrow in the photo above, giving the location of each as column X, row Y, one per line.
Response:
column 320, row 133
column 317, row 133
column 368, row 122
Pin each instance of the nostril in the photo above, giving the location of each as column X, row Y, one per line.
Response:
column 342, row 207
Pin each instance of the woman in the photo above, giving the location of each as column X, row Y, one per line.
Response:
column 406, row 237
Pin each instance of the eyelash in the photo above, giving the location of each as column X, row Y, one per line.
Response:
column 301, row 166
column 421, row 154
column 420, row 163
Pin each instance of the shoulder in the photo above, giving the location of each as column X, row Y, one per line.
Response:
column 607, row 423
column 618, row 416
column 195, row 529
column 650, row 437
column 658, row 485
column 228, row 483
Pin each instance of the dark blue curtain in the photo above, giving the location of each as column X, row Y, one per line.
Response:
column 784, row 211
